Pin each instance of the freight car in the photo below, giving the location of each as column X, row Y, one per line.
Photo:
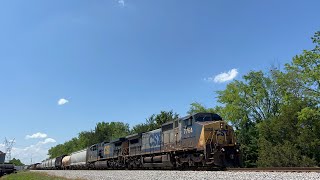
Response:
column 199, row 140
column 55, row 163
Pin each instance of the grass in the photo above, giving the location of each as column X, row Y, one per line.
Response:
column 27, row 175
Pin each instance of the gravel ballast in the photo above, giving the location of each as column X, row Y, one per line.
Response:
column 175, row 175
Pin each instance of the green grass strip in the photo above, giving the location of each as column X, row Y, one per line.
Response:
column 27, row 175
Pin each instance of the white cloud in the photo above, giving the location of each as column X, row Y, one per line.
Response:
column 36, row 136
column 48, row 140
column 223, row 77
column 62, row 101
column 37, row 152
column 121, row 3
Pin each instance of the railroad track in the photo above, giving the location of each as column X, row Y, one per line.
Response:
column 278, row 169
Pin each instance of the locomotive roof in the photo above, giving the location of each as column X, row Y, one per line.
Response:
column 188, row 116
column 214, row 116
column 169, row 122
column 118, row 140
column 132, row 136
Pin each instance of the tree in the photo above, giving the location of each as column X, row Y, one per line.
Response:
column 198, row 107
column 16, row 162
column 140, row 128
column 306, row 69
column 155, row 121
column 248, row 103
column 104, row 131
column 165, row 116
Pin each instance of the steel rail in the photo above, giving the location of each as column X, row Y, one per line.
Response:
column 277, row 169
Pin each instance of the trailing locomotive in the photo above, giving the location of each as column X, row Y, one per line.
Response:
column 199, row 140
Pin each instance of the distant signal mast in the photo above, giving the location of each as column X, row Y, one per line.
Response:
column 9, row 145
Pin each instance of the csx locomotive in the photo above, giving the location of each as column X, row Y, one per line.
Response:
column 198, row 140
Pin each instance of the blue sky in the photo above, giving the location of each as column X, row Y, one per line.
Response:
column 125, row 60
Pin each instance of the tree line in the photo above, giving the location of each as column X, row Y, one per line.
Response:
column 275, row 114
column 16, row 162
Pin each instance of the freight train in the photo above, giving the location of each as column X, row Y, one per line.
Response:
column 198, row 140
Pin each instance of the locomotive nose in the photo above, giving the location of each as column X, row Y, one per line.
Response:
column 217, row 133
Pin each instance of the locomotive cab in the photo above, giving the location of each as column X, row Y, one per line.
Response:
column 212, row 137
column 218, row 140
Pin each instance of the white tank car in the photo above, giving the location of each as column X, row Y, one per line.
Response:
column 66, row 162
column 45, row 164
column 52, row 163
column 79, row 159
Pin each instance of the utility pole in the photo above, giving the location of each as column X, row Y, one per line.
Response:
column 9, row 145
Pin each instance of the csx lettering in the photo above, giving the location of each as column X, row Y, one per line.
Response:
column 154, row 139
column 107, row 150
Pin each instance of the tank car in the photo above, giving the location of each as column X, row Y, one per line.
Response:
column 78, row 160
column 66, row 161
column 58, row 162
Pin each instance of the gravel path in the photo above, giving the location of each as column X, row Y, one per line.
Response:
column 176, row 175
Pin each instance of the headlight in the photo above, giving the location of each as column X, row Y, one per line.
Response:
column 222, row 149
column 237, row 150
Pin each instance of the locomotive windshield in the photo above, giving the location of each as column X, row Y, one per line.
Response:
column 201, row 117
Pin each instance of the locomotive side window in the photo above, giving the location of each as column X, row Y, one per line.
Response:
column 188, row 122
column 203, row 117
column 134, row 141
column 93, row 148
column 167, row 127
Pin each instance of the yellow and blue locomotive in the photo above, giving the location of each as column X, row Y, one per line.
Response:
column 198, row 140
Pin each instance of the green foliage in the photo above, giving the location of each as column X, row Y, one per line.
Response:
column 155, row 121
column 103, row 131
column 16, row 162
column 248, row 103
column 276, row 113
column 110, row 131
column 306, row 68
column 198, row 107
column 28, row 175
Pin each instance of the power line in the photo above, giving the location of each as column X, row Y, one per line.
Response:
column 9, row 145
